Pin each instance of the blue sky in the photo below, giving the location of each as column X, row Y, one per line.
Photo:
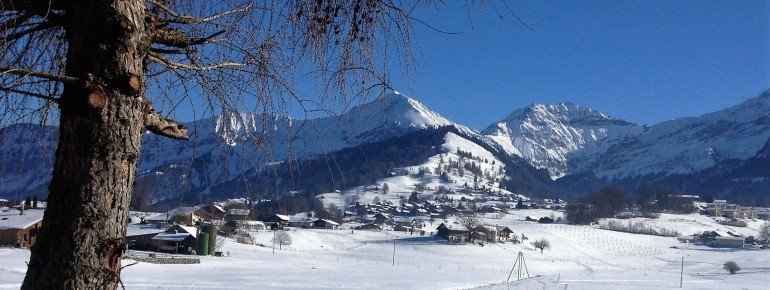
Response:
column 643, row 61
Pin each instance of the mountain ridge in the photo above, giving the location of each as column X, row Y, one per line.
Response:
column 566, row 139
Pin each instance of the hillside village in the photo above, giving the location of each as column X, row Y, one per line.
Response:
column 451, row 211
column 464, row 229
column 455, row 196
column 456, row 207
column 427, row 211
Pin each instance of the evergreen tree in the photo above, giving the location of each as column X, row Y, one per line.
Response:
column 413, row 197
column 212, row 235
column 203, row 244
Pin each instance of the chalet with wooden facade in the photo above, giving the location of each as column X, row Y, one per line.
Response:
column 452, row 232
column 18, row 227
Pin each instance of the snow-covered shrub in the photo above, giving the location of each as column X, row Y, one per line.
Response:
column 541, row 244
column 764, row 233
column 731, row 266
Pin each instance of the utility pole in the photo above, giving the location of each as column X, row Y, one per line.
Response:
column 681, row 273
column 394, row 252
column 273, row 242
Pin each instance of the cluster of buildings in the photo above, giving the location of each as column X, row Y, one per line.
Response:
column 279, row 221
column 457, row 233
column 720, row 208
column 719, row 239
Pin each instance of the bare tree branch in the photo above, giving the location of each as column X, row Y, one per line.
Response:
column 187, row 19
column 26, row 72
column 38, row 27
column 175, row 65
column 162, row 126
column 176, row 38
column 31, row 94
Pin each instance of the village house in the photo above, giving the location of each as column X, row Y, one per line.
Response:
column 545, row 220
column 407, row 222
column 484, row 234
column 369, row 226
column 301, row 222
column 716, row 208
column 250, row 226
column 503, row 234
column 381, row 219
column 278, row 221
column 188, row 216
column 749, row 214
column 19, row 227
column 139, row 237
column 238, row 214
column 325, row 224
column 761, row 213
column 177, row 239
column 732, row 210
column 728, row 242
column 452, row 232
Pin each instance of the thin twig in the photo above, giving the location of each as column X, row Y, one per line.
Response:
column 37, row 74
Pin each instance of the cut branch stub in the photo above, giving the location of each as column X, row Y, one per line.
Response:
column 96, row 100
column 133, row 83
column 159, row 125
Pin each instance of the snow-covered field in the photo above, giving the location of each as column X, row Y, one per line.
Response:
column 580, row 258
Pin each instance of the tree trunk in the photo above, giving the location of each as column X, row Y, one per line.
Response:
column 82, row 239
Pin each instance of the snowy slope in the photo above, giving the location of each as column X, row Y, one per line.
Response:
column 690, row 144
column 401, row 186
column 548, row 135
column 26, row 159
column 567, row 139
column 580, row 257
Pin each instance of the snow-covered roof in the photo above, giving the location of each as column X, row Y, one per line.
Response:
column 139, row 230
column 191, row 230
column 283, row 217
column 403, row 219
column 171, row 237
column 331, row 222
column 300, row 219
column 174, row 212
column 453, row 226
column 500, row 228
column 11, row 219
column 251, row 223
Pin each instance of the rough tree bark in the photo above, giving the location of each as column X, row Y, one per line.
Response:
column 101, row 123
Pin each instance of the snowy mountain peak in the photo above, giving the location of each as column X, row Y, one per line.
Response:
column 401, row 110
column 566, row 112
column 545, row 135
